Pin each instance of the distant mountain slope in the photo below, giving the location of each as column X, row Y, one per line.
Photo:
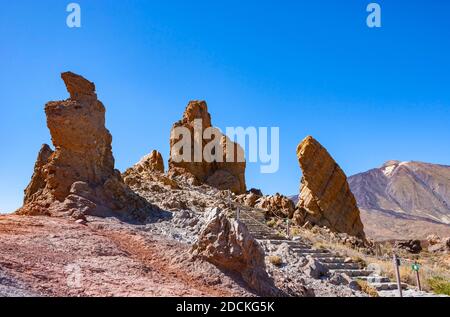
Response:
column 410, row 190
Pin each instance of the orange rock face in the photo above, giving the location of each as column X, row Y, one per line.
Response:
column 151, row 163
column 226, row 173
column 79, row 176
column 325, row 197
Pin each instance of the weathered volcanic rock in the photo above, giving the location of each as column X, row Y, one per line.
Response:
column 226, row 172
column 37, row 183
column 228, row 245
column 79, row 176
column 411, row 246
column 325, row 197
column 152, row 163
column 276, row 205
column 149, row 169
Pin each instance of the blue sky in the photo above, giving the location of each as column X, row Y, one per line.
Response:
column 308, row 67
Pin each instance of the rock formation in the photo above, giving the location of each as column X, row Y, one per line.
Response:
column 148, row 170
column 325, row 197
column 276, row 205
column 79, row 176
column 436, row 244
column 411, row 246
column 151, row 163
column 228, row 245
column 224, row 169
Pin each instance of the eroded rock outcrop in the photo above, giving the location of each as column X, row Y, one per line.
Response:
column 228, row 245
column 276, row 205
column 325, row 197
column 223, row 169
column 79, row 176
column 149, row 170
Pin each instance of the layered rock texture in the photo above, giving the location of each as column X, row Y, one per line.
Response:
column 222, row 166
column 79, row 178
column 325, row 198
column 228, row 245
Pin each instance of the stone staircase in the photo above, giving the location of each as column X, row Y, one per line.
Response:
column 255, row 222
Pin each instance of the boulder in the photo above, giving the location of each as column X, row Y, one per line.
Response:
column 151, row 163
column 325, row 198
column 443, row 246
column 79, row 174
column 228, row 245
column 411, row 246
column 225, row 170
column 314, row 268
column 276, row 205
column 148, row 172
column 433, row 239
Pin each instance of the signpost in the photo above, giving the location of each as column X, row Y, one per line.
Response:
column 288, row 233
column 397, row 263
column 416, row 267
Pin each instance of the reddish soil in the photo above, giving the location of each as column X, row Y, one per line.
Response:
column 42, row 256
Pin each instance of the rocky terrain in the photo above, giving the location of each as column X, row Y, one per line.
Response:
column 85, row 229
column 404, row 200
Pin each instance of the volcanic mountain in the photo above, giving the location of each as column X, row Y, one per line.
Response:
column 404, row 199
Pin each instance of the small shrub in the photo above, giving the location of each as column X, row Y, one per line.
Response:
column 275, row 260
column 295, row 231
column 319, row 246
column 439, row 285
column 366, row 288
column 271, row 223
column 359, row 260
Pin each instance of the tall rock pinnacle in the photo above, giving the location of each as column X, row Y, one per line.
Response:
column 225, row 173
column 79, row 176
column 325, row 196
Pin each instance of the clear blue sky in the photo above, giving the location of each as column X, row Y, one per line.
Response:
column 309, row 67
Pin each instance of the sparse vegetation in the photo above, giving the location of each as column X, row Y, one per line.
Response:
column 366, row 288
column 439, row 285
column 271, row 223
column 295, row 231
column 359, row 260
column 434, row 271
column 275, row 260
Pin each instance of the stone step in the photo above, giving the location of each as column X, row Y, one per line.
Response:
column 264, row 236
column 378, row 279
column 387, row 286
column 353, row 273
column 307, row 251
column 320, row 256
column 374, row 279
column 289, row 242
column 343, row 266
column 332, row 259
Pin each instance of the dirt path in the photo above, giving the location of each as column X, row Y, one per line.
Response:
column 56, row 257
